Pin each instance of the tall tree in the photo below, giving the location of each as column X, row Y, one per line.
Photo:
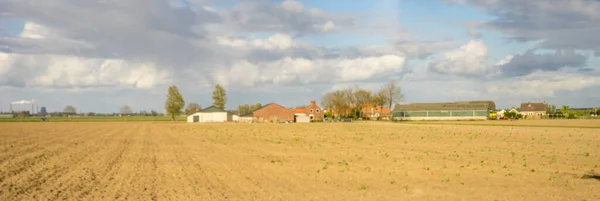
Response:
column 379, row 99
column 255, row 107
column 125, row 109
column 553, row 109
column 192, row 108
column 564, row 109
column 341, row 103
column 393, row 93
column 349, row 96
column 70, row 110
column 174, row 102
column 327, row 100
column 219, row 97
column 243, row 109
column 362, row 98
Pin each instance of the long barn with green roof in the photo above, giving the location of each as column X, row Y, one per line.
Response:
column 462, row 110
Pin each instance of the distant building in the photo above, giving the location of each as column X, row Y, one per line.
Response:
column 463, row 110
column 212, row 114
column 533, row 110
column 371, row 111
column 273, row 113
column 313, row 111
column 43, row 111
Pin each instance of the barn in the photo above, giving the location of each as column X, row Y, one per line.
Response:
column 273, row 113
column 211, row 114
column 462, row 110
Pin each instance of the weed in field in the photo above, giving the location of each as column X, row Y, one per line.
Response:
column 505, row 166
column 532, row 170
column 393, row 182
column 493, row 171
column 587, row 154
column 405, row 187
column 513, row 154
column 362, row 187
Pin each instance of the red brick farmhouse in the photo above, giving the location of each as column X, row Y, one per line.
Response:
column 273, row 113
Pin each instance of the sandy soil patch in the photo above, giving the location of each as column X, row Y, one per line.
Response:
column 368, row 161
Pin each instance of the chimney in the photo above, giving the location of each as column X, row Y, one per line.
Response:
column 313, row 102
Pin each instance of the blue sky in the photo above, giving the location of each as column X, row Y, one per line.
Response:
column 281, row 51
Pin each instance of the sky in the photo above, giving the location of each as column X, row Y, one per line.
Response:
column 99, row 55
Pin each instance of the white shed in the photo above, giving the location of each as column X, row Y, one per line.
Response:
column 211, row 114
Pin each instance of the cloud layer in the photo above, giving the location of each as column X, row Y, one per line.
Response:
column 260, row 46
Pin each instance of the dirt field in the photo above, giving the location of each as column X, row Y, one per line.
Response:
column 360, row 161
column 526, row 122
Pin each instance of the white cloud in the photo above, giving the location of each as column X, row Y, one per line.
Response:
column 36, row 31
column 470, row 58
column 506, row 60
column 545, row 84
column 72, row 72
column 278, row 41
column 367, row 67
column 289, row 70
column 67, row 71
column 6, row 62
column 328, row 26
column 292, row 6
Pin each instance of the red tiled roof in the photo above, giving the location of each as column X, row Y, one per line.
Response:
column 300, row 110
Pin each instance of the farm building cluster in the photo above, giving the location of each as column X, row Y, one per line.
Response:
column 462, row 110
column 273, row 113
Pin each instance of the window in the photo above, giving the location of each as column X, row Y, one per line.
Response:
column 317, row 111
column 311, row 110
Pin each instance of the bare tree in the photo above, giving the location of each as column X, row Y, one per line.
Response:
column 362, row 98
column 327, row 100
column 379, row 99
column 70, row 110
column 192, row 108
column 349, row 96
column 126, row 109
column 392, row 93
column 341, row 103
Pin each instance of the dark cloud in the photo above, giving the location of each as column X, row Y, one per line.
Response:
column 559, row 24
column 288, row 16
column 530, row 62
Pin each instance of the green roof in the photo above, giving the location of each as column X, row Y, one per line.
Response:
column 461, row 105
column 212, row 109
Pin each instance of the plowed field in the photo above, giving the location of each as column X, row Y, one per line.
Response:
column 358, row 161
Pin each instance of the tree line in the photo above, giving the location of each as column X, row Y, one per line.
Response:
column 346, row 103
column 350, row 102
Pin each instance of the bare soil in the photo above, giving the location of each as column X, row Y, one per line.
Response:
column 526, row 122
column 320, row 161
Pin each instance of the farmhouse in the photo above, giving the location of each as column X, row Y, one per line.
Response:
column 212, row 114
column 533, row 110
column 373, row 112
column 313, row 111
column 463, row 110
column 273, row 113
